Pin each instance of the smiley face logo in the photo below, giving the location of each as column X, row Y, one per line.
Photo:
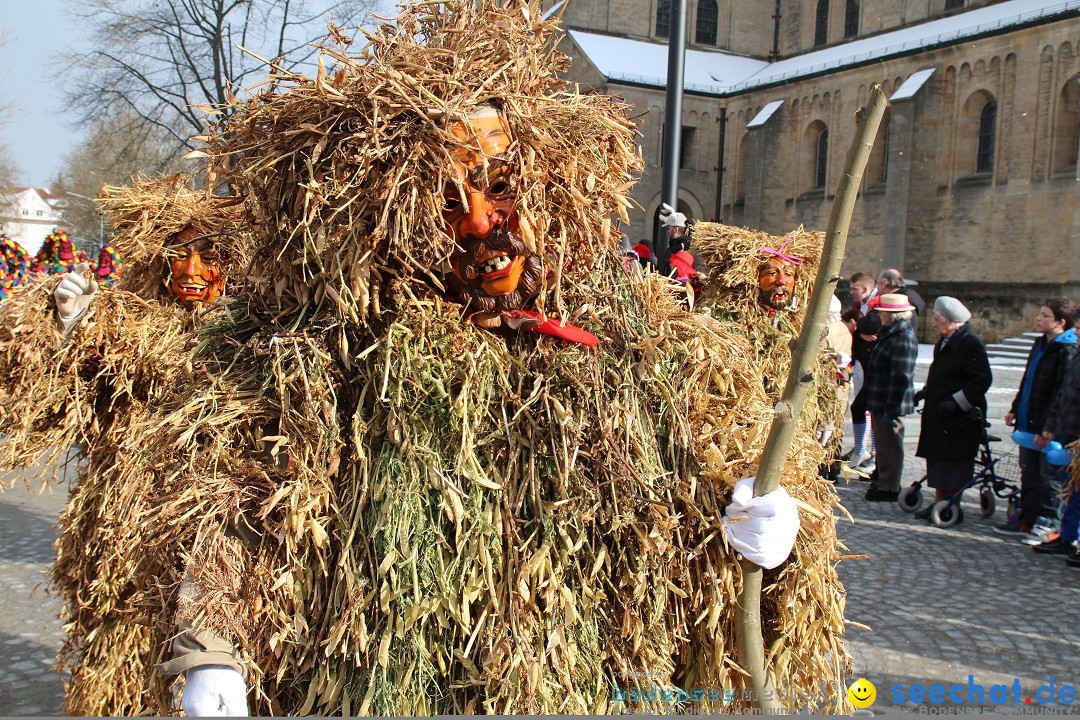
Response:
column 862, row 693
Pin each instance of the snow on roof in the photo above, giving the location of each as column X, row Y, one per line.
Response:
column 717, row 72
column 638, row 61
column 765, row 113
column 911, row 85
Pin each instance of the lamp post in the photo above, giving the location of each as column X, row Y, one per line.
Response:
column 94, row 204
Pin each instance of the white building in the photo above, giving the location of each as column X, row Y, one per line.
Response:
column 28, row 214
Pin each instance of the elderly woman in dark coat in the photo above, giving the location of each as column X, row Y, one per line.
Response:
column 955, row 388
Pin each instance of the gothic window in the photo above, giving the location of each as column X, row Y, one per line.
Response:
column 851, row 19
column 984, row 154
column 1067, row 127
column 706, row 22
column 821, row 159
column 821, row 23
column 663, row 18
column 877, row 166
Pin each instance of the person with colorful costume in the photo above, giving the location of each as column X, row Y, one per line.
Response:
column 58, row 254
column 109, row 266
column 14, row 265
column 82, row 364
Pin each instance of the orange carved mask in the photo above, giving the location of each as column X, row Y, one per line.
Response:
column 776, row 283
column 492, row 268
column 195, row 270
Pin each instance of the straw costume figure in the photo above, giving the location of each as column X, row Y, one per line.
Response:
column 418, row 485
column 81, row 366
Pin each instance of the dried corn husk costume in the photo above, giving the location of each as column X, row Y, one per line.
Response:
column 129, row 352
column 399, row 511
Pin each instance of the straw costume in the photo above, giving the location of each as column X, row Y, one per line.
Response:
column 406, row 500
column 117, row 363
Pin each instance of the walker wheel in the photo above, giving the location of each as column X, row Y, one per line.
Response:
column 944, row 514
column 910, row 499
column 987, row 502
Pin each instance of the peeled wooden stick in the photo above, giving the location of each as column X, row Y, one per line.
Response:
column 748, row 608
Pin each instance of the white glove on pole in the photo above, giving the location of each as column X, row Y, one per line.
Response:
column 73, row 296
column 762, row 529
column 214, row 691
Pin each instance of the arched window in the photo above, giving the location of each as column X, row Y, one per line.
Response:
column 663, row 18
column 877, row 165
column 705, row 33
column 821, row 23
column 1067, row 127
column 851, row 19
column 984, row 154
column 821, row 159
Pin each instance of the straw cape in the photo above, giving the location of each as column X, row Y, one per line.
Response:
column 131, row 350
column 388, row 510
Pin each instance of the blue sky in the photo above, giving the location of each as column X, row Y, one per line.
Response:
column 35, row 37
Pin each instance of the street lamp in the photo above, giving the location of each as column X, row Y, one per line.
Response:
column 94, row 203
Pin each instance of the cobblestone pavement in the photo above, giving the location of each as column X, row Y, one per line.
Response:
column 941, row 604
column 30, row 634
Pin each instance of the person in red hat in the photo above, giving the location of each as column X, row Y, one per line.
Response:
column 685, row 267
column 890, row 391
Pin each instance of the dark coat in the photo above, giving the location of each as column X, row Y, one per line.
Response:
column 1063, row 418
column 960, row 366
column 1045, row 379
column 890, row 376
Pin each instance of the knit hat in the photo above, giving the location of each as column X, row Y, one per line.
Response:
column 951, row 309
column 894, row 302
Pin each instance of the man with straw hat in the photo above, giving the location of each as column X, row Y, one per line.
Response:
column 890, row 393
column 386, row 502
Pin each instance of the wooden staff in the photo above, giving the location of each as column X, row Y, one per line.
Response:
column 748, row 607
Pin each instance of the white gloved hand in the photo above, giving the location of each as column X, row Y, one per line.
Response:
column 214, row 690
column 824, row 435
column 665, row 210
column 74, row 293
column 762, row 528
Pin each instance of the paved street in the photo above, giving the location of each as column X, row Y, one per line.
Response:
column 30, row 634
column 942, row 604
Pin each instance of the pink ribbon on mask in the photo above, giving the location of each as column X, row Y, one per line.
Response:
column 781, row 254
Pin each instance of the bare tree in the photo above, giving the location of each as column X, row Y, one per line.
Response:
column 157, row 60
column 112, row 152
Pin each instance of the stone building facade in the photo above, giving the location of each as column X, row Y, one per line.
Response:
column 972, row 184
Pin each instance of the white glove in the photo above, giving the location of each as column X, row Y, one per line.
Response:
column 762, row 528
column 824, row 434
column 73, row 294
column 214, row 690
column 665, row 210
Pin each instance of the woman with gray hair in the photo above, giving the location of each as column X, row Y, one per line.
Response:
column 955, row 389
